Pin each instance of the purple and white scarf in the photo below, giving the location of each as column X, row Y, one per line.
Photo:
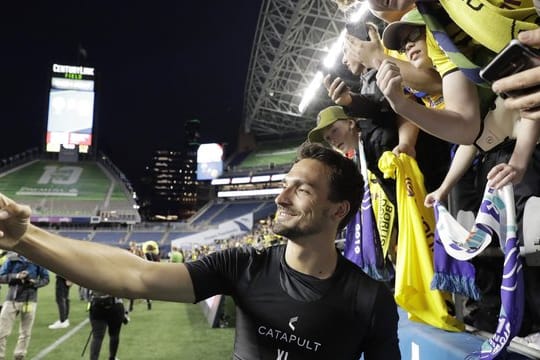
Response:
column 496, row 219
column 453, row 275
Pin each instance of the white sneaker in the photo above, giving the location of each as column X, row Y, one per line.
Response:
column 54, row 325
column 59, row 325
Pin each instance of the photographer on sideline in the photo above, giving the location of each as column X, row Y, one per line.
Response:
column 23, row 278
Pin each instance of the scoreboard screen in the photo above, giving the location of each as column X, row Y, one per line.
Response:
column 71, row 108
column 209, row 161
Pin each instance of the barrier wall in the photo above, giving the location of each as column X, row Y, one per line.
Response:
column 422, row 342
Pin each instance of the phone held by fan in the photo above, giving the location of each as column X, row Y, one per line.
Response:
column 514, row 58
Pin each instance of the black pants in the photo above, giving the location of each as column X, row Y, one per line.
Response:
column 62, row 298
column 101, row 317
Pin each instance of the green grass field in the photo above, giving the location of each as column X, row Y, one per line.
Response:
column 168, row 331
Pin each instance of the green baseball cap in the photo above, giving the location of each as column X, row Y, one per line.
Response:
column 326, row 118
column 393, row 33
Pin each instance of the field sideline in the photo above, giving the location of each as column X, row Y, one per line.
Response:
column 168, row 331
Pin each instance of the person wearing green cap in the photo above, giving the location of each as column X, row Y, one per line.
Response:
column 336, row 129
column 344, row 132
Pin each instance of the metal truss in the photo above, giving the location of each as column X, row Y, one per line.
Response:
column 291, row 40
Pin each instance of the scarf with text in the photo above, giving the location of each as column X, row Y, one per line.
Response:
column 362, row 240
column 496, row 220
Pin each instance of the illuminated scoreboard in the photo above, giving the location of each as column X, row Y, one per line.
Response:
column 209, row 161
column 71, row 108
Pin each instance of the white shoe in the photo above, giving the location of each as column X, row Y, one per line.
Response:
column 59, row 325
column 54, row 325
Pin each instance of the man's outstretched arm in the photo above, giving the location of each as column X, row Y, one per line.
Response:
column 92, row 265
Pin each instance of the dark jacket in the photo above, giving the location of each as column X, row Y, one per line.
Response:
column 22, row 290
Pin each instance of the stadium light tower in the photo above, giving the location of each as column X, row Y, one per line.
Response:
column 330, row 60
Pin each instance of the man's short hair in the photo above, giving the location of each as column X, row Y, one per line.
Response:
column 346, row 183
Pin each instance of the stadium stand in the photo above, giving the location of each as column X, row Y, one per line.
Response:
column 140, row 236
column 115, row 238
column 79, row 235
column 207, row 214
column 178, row 234
column 270, row 156
column 60, row 192
column 232, row 210
column 268, row 208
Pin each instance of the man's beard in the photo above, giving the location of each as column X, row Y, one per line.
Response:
column 290, row 233
column 295, row 231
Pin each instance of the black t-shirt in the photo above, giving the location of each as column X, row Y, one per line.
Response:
column 283, row 314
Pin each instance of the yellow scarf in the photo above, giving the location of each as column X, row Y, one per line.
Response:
column 491, row 25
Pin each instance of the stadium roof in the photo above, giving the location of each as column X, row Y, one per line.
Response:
column 291, row 40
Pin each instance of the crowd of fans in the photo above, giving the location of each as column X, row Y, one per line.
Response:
column 414, row 89
column 261, row 236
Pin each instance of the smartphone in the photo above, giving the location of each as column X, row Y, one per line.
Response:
column 332, row 76
column 514, row 58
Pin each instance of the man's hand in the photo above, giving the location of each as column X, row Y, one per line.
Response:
column 529, row 105
column 437, row 195
column 14, row 221
column 338, row 91
column 22, row 275
column 369, row 53
column 406, row 149
column 502, row 174
column 389, row 81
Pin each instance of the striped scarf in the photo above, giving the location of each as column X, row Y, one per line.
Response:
column 496, row 220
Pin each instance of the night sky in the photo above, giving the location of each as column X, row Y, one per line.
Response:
column 158, row 64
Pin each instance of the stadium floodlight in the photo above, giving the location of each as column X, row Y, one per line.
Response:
column 222, row 181
column 240, row 180
column 244, row 193
column 335, row 51
column 310, row 92
column 260, row 178
column 331, row 58
column 278, row 177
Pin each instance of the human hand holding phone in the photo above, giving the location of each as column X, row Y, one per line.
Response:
column 338, row 90
column 514, row 59
column 528, row 105
column 369, row 52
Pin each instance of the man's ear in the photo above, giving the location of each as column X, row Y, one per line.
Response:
column 342, row 209
column 352, row 124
